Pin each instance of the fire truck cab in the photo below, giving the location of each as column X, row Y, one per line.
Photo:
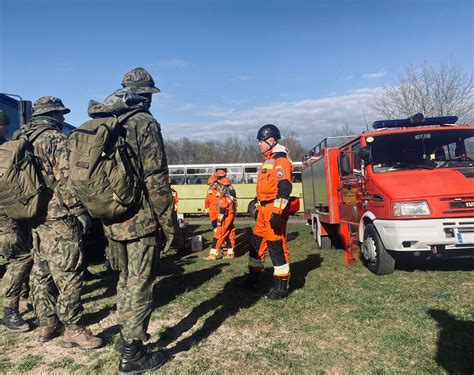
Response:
column 406, row 187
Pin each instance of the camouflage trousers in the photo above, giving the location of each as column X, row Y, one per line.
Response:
column 57, row 274
column 137, row 261
column 15, row 247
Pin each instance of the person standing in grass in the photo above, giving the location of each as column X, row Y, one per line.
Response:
column 273, row 192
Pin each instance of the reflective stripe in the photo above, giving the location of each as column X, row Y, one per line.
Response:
column 230, row 251
column 267, row 165
column 255, row 263
column 283, row 270
column 213, row 252
column 280, row 203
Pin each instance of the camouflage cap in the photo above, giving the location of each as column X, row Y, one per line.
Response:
column 48, row 104
column 4, row 120
column 140, row 81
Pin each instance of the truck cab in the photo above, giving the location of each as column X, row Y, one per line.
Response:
column 406, row 187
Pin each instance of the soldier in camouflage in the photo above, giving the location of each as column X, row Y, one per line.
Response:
column 57, row 239
column 134, row 240
column 15, row 247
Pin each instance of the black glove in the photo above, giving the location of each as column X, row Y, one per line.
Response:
column 275, row 222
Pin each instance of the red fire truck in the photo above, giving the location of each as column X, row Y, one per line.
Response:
column 406, row 187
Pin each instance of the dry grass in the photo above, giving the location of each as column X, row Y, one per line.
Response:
column 337, row 319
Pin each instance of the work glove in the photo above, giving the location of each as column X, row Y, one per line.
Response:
column 276, row 222
column 85, row 221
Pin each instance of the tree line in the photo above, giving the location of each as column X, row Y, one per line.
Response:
column 432, row 90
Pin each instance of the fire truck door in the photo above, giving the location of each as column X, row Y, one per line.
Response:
column 349, row 190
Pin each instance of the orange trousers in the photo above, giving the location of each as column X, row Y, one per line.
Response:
column 224, row 231
column 265, row 238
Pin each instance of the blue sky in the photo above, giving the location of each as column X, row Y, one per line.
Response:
column 226, row 67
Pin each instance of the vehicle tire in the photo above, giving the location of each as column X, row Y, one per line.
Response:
column 322, row 242
column 375, row 256
column 326, row 242
column 252, row 209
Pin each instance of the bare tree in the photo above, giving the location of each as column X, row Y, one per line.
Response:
column 434, row 91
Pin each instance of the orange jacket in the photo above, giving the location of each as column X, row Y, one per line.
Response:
column 274, row 178
column 174, row 193
column 226, row 206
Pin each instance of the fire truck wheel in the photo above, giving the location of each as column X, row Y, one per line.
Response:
column 326, row 242
column 376, row 257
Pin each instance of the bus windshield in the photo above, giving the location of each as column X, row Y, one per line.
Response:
column 427, row 149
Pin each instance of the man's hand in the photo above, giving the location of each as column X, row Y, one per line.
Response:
column 86, row 222
column 276, row 222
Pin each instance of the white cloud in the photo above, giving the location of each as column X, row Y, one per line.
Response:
column 310, row 119
column 373, row 75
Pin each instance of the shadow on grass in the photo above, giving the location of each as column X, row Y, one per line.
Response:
column 225, row 304
column 411, row 264
column 455, row 343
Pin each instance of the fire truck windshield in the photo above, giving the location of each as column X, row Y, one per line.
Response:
column 427, row 149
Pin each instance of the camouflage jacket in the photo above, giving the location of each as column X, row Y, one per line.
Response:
column 51, row 152
column 7, row 225
column 143, row 134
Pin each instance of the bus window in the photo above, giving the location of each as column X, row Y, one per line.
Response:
column 177, row 175
column 296, row 177
column 235, row 174
column 251, row 174
column 198, row 176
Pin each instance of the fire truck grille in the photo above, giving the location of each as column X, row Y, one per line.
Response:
column 459, row 205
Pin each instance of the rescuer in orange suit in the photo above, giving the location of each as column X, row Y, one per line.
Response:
column 174, row 193
column 212, row 196
column 226, row 208
column 273, row 192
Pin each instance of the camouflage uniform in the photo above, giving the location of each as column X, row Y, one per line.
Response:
column 15, row 247
column 57, row 243
column 134, row 240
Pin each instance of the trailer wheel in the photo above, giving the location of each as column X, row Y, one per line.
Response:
column 376, row 257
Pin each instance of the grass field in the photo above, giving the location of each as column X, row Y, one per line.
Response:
column 337, row 319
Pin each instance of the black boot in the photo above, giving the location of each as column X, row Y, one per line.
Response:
column 250, row 281
column 119, row 344
column 279, row 290
column 136, row 358
column 13, row 321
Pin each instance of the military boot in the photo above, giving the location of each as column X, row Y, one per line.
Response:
column 119, row 344
column 13, row 321
column 137, row 358
column 250, row 281
column 279, row 290
column 81, row 337
column 46, row 333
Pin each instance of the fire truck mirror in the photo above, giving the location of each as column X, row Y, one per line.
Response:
column 344, row 165
column 365, row 154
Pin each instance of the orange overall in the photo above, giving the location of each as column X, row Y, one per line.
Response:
column 225, row 224
column 211, row 201
column 273, row 191
column 174, row 193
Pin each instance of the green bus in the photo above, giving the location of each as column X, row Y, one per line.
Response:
column 190, row 182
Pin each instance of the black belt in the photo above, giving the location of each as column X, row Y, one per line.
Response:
column 264, row 203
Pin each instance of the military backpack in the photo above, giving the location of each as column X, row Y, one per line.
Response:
column 24, row 193
column 104, row 170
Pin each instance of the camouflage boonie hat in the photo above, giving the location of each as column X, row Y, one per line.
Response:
column 48, row 104
column 140, row 81
column 4, row 120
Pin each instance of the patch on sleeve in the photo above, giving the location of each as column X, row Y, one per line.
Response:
column 279, row 172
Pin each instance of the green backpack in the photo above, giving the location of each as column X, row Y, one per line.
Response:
column 24, row 193
column 104, row 170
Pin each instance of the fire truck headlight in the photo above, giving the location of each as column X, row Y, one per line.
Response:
column 410, row 208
